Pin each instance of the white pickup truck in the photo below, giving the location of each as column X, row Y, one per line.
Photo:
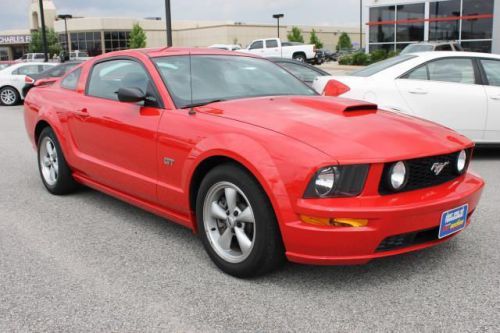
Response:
column 273, row 47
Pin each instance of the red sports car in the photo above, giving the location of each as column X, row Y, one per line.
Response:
column 240, row 151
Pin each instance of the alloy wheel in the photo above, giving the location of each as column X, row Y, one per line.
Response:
column 49, row 163
column 229, row 222
column 8, row 96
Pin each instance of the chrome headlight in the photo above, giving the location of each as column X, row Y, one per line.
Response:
column 398, row 176
column 461, row 162
column 337, row 181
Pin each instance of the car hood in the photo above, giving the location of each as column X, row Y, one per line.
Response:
column 347, row 130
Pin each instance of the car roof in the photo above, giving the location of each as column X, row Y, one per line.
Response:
column 171, row 51
column 444, row 54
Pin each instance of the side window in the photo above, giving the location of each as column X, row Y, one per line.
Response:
column 456, row 70
column 419, row 73
column 257, row 45
column 444, row 47
column 271, row 43
column 302, row 72
column 492, row 69
column 108, row 77
column 27, row 70
column 71, row 80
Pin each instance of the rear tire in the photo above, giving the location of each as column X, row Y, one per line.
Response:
column 236, row 223
column 9, row 96
column 299, row 57
column 54, row 171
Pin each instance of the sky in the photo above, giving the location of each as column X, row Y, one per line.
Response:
column 14, row 13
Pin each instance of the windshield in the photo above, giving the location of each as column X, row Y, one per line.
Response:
column 414, row 48
column 382, row 65
column 217, row 77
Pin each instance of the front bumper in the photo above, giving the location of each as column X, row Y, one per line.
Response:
column 388, row 215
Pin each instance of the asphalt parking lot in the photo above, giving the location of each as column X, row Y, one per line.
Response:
column 90, row 263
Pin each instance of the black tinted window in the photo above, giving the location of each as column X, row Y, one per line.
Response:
column 271, row 43
column 444, row 47
column 108, row 77
column 71, row 80
column 257, row 45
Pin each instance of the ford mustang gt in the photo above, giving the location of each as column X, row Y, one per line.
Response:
column 249, row 157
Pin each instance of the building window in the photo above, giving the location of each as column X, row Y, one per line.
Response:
column 116, row 40
column 446, row 29
column 382, row 24
column 477, row 46
column 407, row 30
column 85, row 41
column 480, row 25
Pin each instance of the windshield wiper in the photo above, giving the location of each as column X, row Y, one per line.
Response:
column 194, row 105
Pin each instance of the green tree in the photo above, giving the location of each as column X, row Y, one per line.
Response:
column 344, row 42
column 137, row 38
column 36, row 44
column 315, row 40
column 295, row 35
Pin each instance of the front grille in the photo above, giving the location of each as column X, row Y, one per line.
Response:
column 420, row 174
column 409, row 239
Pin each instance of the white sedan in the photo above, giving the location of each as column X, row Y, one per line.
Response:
column 458, row 90
column 12, row 80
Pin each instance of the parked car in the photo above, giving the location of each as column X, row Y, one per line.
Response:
column 305, row 72
column 5, row 64
column 52, row 72
column 432, row 46
column 319, row 59
column 329, row 55
column 252, row 159
column 78, row 55
column 272, row 47
column 32, row 57
column 12, row 80
column 227, row 47
column 457, row 90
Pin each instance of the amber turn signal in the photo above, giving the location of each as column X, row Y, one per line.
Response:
column 335, row 222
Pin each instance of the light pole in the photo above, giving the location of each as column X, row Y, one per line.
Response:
column 360, row 24
column 168, row 18
column 44, row 33
column 277, row 17
column 66, row 17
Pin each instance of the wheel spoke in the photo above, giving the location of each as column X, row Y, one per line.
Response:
column 246, row 216
column 217, row 211
column 243, row 241
column 46, row 161
column 230, row 194
column 53, row 175
column 225, row 239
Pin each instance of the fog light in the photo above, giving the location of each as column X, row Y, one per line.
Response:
column 461, row 162
column 335, row 222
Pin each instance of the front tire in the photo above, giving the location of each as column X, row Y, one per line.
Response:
column 237, row 224
column 54, row 171
column 9, row 96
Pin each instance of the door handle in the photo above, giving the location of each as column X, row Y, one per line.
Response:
column 418, row 91
column 82, row 113
column 496, row 98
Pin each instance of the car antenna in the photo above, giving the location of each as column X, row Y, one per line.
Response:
column 191, row 110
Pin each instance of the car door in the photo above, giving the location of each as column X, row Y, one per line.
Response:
column 272, row 48
column 446, row 91
column 257, row 47
column 491, row 69
column 116, row 141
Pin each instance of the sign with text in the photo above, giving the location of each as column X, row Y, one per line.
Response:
column 15, row 39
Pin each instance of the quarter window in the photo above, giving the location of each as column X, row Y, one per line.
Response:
column 271, row 43
column 492, row 69
column 71, row 80
column 108, row 77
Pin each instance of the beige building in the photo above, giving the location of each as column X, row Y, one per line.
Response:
column 98, row 35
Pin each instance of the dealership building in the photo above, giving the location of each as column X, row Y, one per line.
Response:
column 98, row 35
column 393, row 24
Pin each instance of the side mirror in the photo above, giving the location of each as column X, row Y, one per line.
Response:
column 131, row 95
column 45, row 82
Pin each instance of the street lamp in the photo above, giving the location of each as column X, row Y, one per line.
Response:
column 65, row 17
column 360, row 24
column 168, row 18
column 277, row 17
column 44, row 33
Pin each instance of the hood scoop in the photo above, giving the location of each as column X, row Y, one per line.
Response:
column 361, row 107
